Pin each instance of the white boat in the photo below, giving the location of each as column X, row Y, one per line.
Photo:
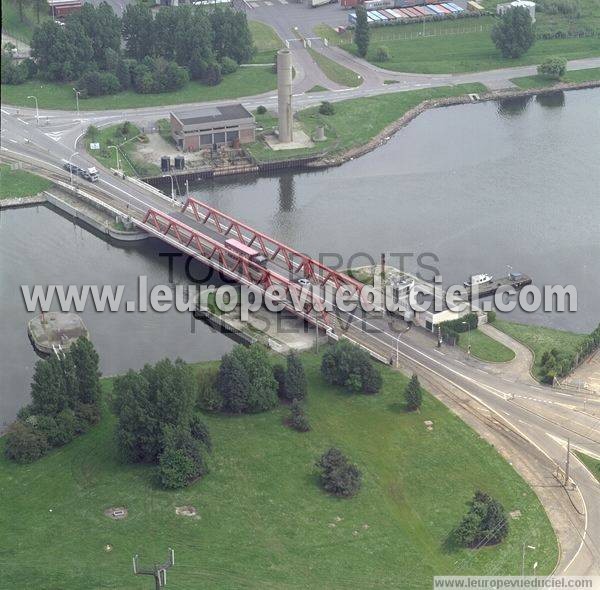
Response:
column 479, row 280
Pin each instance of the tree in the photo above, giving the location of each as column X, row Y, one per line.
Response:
column 279, row 374
column 513, row 34
column 233, row 384
column 295, row 378
column 485, row 523
column 48, row 394
column 228, row 65
column 183, row 458
column 24, row 444
column 413, row 394
column 199, row 431
column 553, row 68
column 137, row 30
column 350, row 366
column 338, row 476
column 261, row 109
column 298, row 420
column 212, row 74
column 262, row 392
column 361, row 32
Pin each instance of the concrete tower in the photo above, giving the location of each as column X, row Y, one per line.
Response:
column 284, row 94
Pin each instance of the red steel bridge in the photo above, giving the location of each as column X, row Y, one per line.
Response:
column 204, row 236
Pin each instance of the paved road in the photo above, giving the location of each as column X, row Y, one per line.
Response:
column 532, row 423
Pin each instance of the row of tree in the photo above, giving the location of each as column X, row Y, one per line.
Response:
column 157, row 423
column 65, row 401
column 142, row 52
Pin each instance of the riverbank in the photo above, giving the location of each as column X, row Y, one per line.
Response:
column 388, row 131
column 416, row 483
column 19, row 187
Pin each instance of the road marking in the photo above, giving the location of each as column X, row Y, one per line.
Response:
column 5, row 112
column 25, row 122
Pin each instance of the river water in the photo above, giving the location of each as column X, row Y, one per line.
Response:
column 478, row 186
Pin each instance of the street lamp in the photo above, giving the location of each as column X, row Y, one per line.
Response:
column 71, row 166
column 116, row 152
column 172, row 187
column 77, row 93
column 37, row 110
column 468, row 324
column 523, row 558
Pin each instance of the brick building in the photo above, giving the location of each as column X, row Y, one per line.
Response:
column 59, row 9
column 209, row 126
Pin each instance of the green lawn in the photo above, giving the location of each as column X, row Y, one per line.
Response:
column 318, row 88
column 592, row 464
column 527, row 82
column 334, row 71
column 358, row 120
column 266, row 42
column 469, row 52
column 12, row 24
column 263, row 520
column 539, row 339
column 129, row 163
column 19, row 183
column 244, row 82
column 485, row 348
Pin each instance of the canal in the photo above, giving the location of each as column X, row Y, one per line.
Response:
column 471, row 188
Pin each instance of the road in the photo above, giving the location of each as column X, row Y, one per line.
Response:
column 528, row 423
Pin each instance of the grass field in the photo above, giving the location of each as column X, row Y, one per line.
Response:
column 334, row 71
column 527, row 82
column 266, row 42
column 485, row 348
column 351, row 127
column 128, row 162
column 19, row 183
column 244, row 82
column 11, row 22
column 539, row 339
column 317, row 88
column 592, row 464
column 441, row 47
column 263, row 520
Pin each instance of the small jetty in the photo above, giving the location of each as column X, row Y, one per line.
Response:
column 516, row 280
column 54, row 332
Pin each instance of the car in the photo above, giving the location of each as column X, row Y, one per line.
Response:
column 303, row 282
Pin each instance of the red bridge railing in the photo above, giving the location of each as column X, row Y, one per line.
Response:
column 296, row 262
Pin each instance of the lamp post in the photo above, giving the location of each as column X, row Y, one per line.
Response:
column 116, row 152
column 71, row 167
column 37, row 110
column 77, row 93
column 469, row 327
column 172, row 187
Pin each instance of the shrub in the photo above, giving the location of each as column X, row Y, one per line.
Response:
column 485, row 523
column 298, row 419
column 24, row 444
column 553, row 68
column 338, row 476
column 349, row 366
column 261, row 110
column 326, row 108
column 182, row 460
column 382, row 54
column 413, row 394
column 199, row 431
column 212, row 74
column 491, row 316
column 228, row 66
column 209, row 398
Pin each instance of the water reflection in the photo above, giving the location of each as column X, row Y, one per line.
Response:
column 551, row 99
column 516, row 105
column 286, row 192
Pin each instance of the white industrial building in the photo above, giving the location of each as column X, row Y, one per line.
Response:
column 530, row 6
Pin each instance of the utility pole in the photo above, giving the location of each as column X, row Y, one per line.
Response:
column 158, row 570
column 567, row 463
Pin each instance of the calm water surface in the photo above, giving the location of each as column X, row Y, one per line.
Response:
column 480, row 186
